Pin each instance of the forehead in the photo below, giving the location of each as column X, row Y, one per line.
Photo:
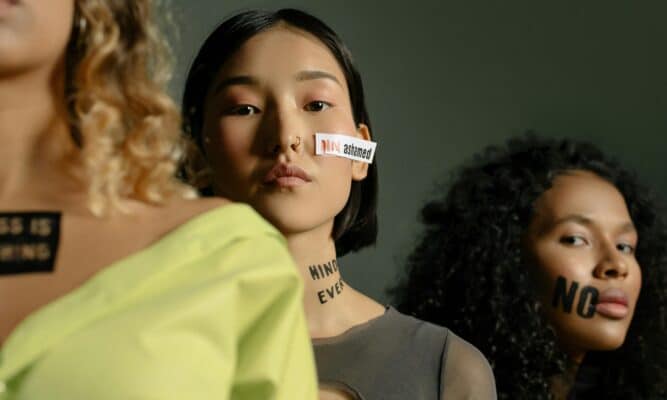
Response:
column 280, row 52
column 582, row 193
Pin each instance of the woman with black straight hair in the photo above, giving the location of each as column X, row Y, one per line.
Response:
column 263, row 85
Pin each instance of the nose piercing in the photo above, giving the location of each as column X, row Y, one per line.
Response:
column 298, row 142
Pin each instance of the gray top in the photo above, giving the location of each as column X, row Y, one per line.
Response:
column 396, row 356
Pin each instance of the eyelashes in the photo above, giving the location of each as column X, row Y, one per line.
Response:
column 574, row 240
column 243, row 110
column 578, row 241
column 317, row 106
column 626, row 248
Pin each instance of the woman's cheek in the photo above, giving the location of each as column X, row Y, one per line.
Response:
column 335, row 176
column 233, row 140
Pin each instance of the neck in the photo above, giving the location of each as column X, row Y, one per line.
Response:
column 562, row 384
column 33, row 131
column 575, row 353
column 324, row 290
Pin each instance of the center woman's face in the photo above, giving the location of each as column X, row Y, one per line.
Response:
column 582, row 246
column 260, row 119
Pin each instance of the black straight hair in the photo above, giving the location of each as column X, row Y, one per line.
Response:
column 355, row 226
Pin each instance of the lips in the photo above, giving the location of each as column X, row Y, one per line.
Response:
column 613, row 303
column 286, row 175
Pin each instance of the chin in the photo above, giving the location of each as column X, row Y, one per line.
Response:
column 597, row 334
column 604, row 339
column 289, row 226
column 291, row 215
column 292, row 220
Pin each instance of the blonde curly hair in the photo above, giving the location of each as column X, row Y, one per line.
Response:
column 126, row 127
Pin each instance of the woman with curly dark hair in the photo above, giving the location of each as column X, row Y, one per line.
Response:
column 550, row 258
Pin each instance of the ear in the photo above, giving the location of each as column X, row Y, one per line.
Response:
column 360, row 169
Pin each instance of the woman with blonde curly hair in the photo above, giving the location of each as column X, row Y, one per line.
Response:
column 113, row 284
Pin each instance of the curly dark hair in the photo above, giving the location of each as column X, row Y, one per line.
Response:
column 466, row 271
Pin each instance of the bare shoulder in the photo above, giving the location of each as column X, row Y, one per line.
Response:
column 179, row 211
column 167, row 217
column 87, row 244
column 466, row 372
column 362, row 307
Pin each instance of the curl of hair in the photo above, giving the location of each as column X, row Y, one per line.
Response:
column 125, row 125
column 467, row 271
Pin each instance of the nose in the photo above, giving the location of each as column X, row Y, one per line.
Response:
column 284, row 132
column 611, row 264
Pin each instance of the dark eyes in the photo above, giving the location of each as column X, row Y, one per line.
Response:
column 573, row 240
column 625, row 248
column 242, row 110
column 317, row 106
column 580, row 241
column 246, row 109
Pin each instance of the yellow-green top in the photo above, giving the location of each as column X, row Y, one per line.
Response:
column 211, row 311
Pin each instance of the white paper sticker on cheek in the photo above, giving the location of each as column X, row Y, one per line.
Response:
column 334, row 144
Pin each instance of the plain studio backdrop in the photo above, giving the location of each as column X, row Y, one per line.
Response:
column 445, row 78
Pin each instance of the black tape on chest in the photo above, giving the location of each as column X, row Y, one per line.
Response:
column 28, row 242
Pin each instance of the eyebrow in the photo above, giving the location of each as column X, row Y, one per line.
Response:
column 582, row 220
column 316, row 74
column 236, row 80
column 248, row 80
column 576, row 218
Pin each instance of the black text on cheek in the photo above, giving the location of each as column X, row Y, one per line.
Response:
column 565, row 296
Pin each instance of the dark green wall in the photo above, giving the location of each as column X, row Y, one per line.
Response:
column 444, row 78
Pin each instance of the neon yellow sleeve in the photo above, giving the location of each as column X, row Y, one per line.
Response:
column 187, row 319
